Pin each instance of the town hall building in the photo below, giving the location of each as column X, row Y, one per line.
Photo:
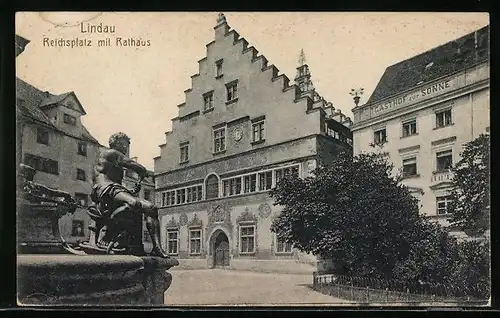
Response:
column 242, row 127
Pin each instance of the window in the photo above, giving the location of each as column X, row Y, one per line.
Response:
column 265, row 180
column 331, row 132
column 218, row 68
column 77, row 228
column 81, row 199
column 172, row 242
column 247, row 239
column 184, row 149
column 410, row 167
column 283, row 247
column 147, row 195
column 195, row 241
column 280, row 173
column 409, row 128
column 42, row 136
column 232, row 91
column 258, row 131
column 380, row 136
column 444, row 160
column 212, row 187
column 219, row 139
column 250, row 183
column 70, row 120
column 443, row 118
column 168, row 198
column 208, row 101
column 259, row 181
column 232, row 186
column 181, row 196
column 442, row 204
column 41, row 164
column 200, row 193
column 194, row 194
column 82, row 148
column 164, row 198
column 80, row 175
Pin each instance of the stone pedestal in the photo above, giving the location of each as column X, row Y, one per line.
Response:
column 92, row 280
column 37, row 228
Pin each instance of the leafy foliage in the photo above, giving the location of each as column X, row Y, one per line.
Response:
column 356, row 213
column 431, row 258
column 471, row 188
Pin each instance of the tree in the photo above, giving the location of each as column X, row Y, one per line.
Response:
column 471, row 272
column 356, row 213
column 470, row 194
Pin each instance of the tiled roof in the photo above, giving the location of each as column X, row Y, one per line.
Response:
column 53, row 99
column 440, row 61
column 87, row 136
column 29, row 98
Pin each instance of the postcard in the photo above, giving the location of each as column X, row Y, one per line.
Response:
column 253, row 159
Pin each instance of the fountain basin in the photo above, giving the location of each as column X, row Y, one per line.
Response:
column 115, row 280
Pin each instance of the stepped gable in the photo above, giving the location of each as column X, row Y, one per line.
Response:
column 254, row 57
column 315, row 100
column 306, row 88
column 445, row 59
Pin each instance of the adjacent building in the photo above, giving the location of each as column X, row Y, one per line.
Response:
column 422, row 112
column 242, row 127
column 52, row 139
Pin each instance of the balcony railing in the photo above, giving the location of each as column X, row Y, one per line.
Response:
column 442, row 176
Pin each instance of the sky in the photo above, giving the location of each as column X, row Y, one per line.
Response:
column 137, row 90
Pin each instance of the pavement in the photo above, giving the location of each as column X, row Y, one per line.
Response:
column 240, row 288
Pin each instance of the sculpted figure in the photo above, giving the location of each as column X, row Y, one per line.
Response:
column 116, row 201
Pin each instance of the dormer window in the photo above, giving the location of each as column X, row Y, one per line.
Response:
column 218, row 69
column 70, row 120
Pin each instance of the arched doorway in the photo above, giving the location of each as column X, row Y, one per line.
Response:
column 220, row 248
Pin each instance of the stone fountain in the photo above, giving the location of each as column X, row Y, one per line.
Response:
column 49, row 272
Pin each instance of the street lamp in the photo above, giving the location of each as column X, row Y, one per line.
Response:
column 357, row 94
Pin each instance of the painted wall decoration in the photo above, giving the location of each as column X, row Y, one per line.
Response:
column 183, row 219
column 247, row 216
column 219, row 215
column 195, row 222
column 172, row 223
